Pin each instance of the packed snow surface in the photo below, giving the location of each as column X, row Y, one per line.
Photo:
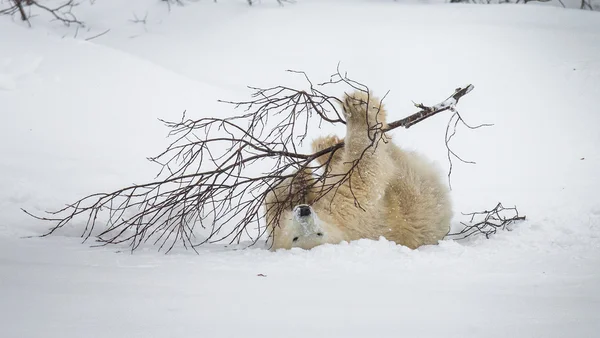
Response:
column 80, row 116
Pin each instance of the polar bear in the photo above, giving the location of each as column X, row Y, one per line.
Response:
column 391, row 192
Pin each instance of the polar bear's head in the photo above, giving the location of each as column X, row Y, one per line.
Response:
column 299, row 227
column 295, row 221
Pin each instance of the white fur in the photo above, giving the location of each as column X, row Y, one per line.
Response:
column 401, row 195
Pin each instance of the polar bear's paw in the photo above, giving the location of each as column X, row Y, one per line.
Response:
column 361, row 107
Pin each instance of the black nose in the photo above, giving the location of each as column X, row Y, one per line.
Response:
column 304, row 210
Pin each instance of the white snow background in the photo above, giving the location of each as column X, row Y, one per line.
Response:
column 78, row 117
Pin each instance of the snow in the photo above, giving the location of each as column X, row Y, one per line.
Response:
column 81, row 116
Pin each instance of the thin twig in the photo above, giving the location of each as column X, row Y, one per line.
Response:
column 97, row 35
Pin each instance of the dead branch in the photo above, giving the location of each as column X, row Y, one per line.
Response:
column 586, row 5
column 16, row 7
column 173, row 2
column 62, row 13
column 453, row 123
column 217, row 172
column 97, row 35
column 488, row 222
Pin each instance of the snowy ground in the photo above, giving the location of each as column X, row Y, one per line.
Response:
column 81, row 116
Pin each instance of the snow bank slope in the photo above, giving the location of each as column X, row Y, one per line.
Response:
column 80, row 117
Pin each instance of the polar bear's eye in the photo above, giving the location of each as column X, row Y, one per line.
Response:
column 319, row 234
column 295, row 239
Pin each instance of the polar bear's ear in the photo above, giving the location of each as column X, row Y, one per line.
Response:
column 302, row 187
column 294, row 190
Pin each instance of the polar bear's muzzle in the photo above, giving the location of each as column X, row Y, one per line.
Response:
column 306, row 223
column 303, row 210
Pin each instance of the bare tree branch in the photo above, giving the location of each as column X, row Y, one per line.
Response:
column 455, row 119
column 62, row 13
column 487, row 222
column 217, row 172
column 97, row 35
column 171, row 2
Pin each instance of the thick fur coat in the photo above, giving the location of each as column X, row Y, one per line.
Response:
column 400, row 195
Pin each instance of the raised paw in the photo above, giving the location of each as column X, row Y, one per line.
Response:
column 325, row 142
column 361, row 107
